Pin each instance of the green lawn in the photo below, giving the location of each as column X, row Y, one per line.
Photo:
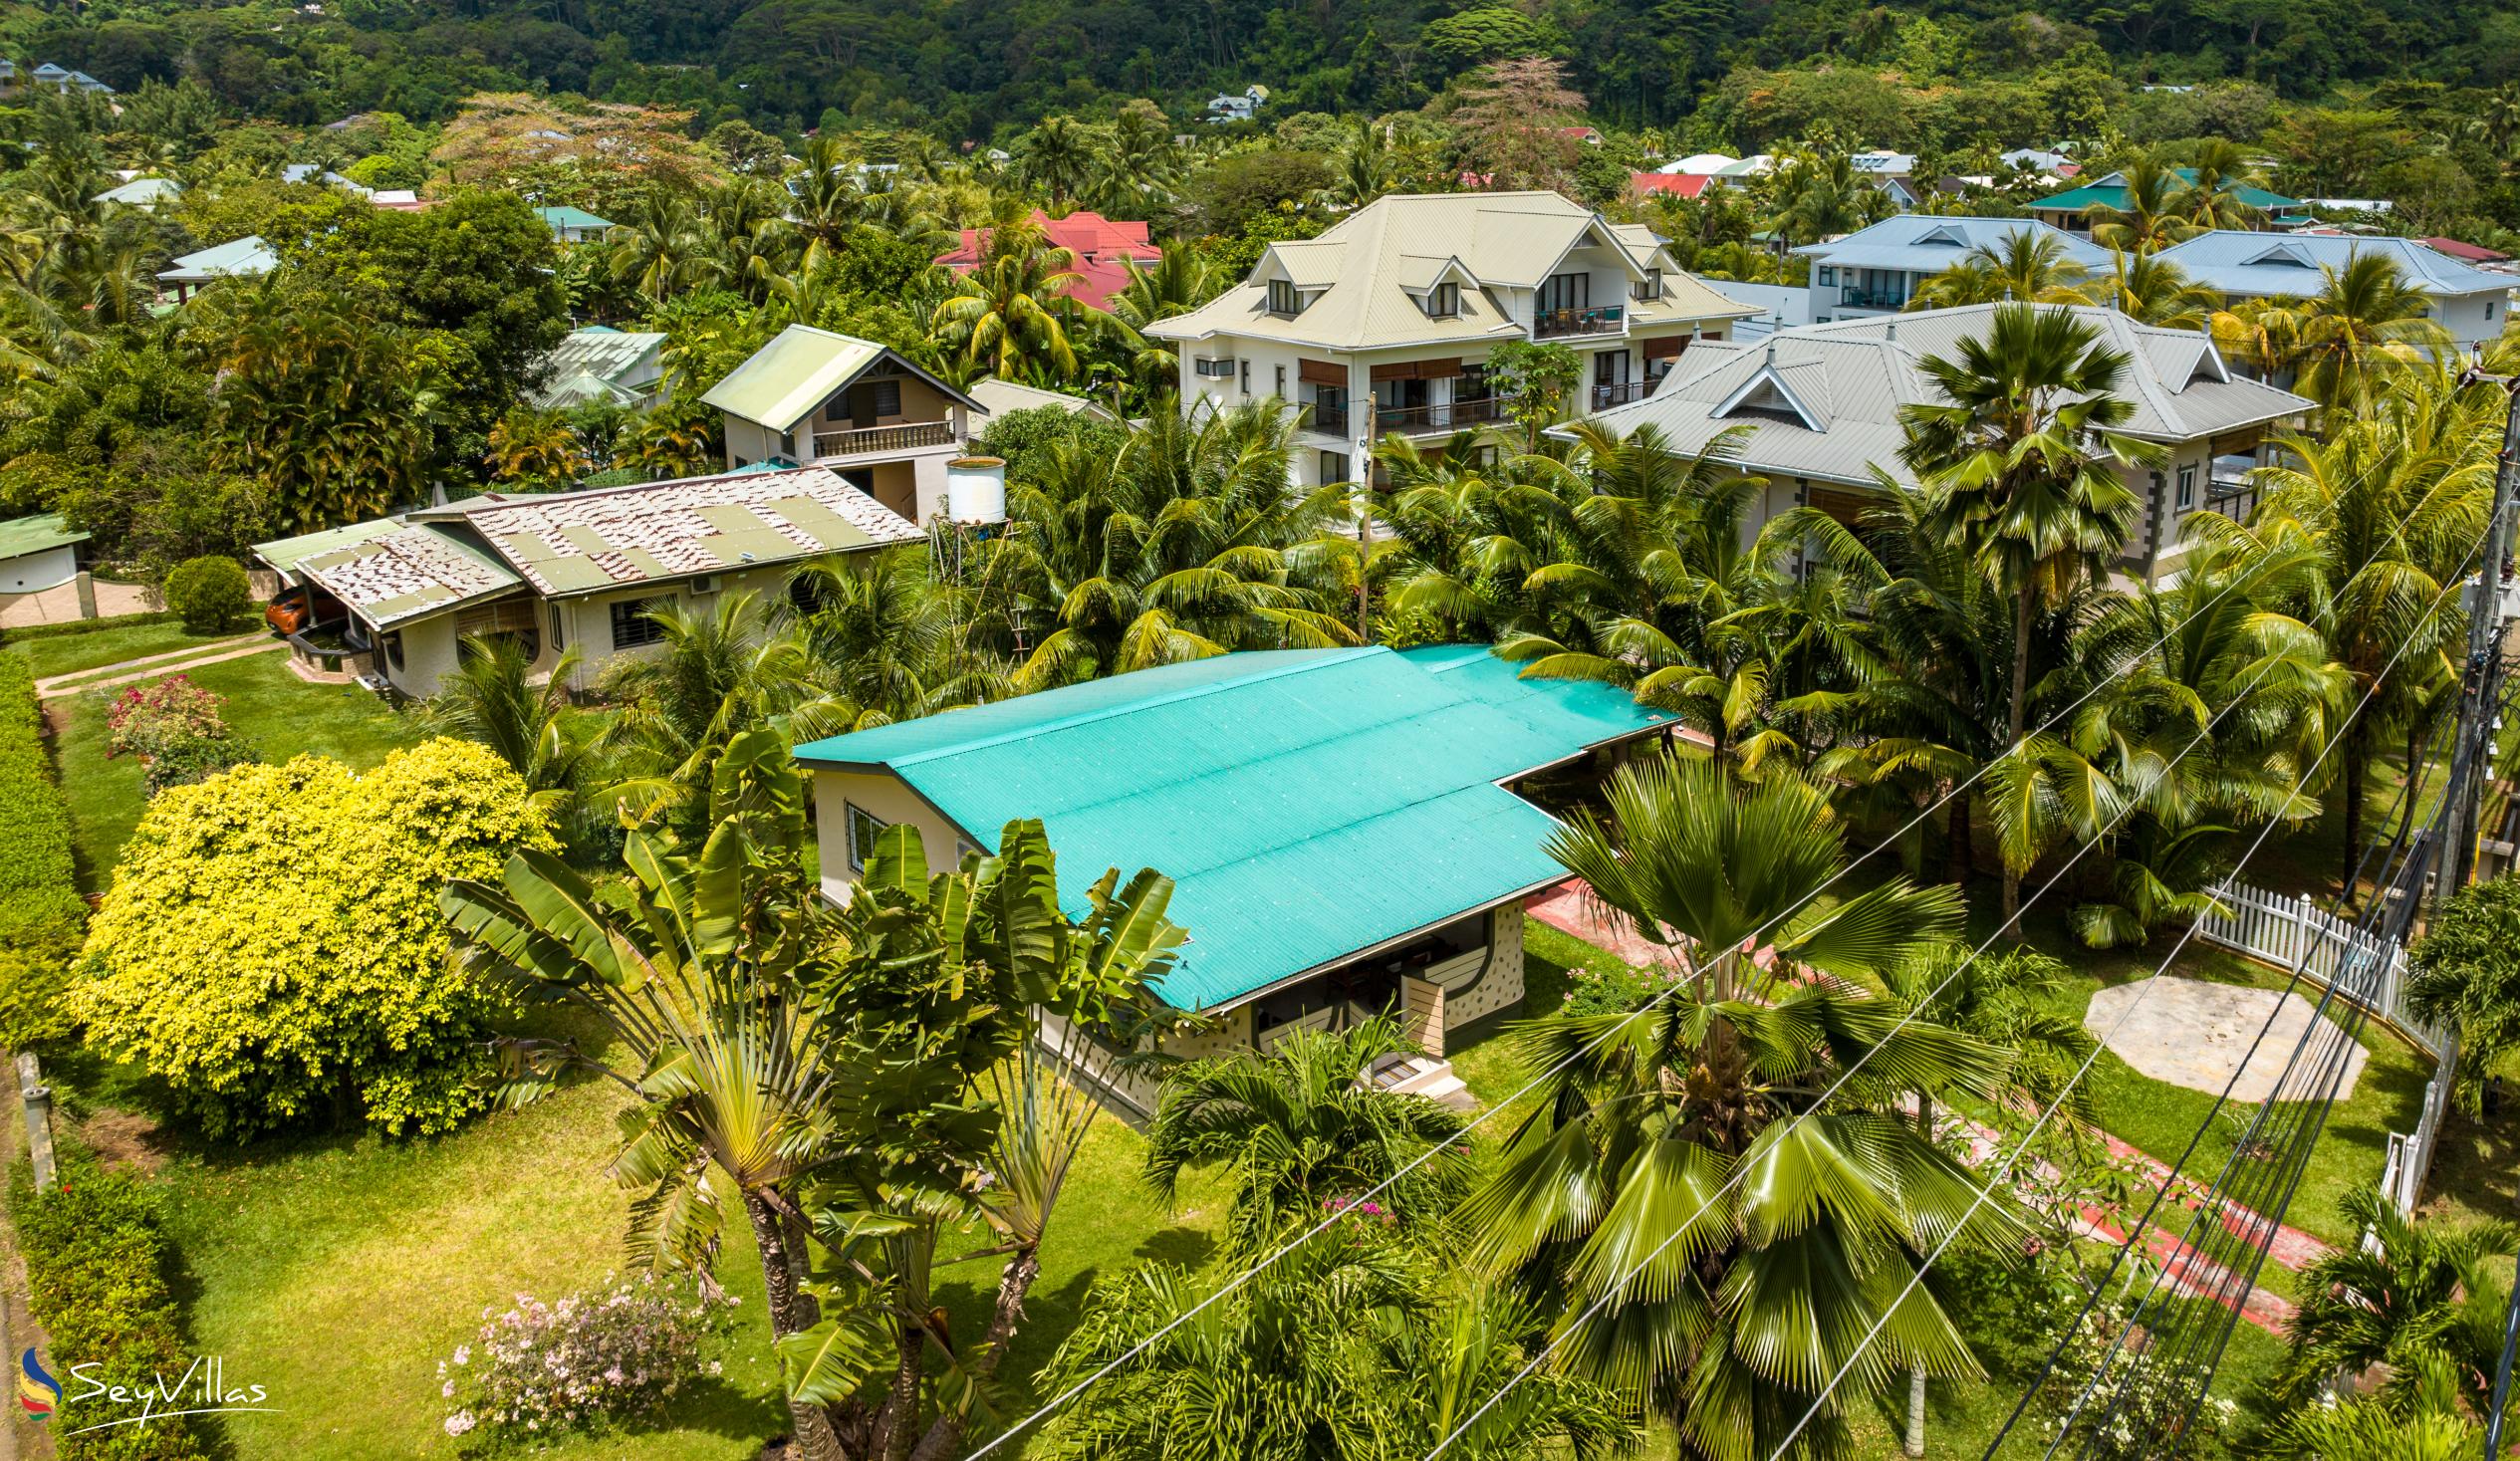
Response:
column 56, row 654
column 277, row 713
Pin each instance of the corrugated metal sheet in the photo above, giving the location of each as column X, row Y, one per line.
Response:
column 1307, row 803
column 2241, row 264
column 1929, row 244
column 799, row 370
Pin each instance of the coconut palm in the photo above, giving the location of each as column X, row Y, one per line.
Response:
column 2209, row 197
column 492, row 697
column 718, row 671
column 2150, row 218
column 665, row 246
column 1731, row 1303
column 2155, row 290
column 1174, row 284
column 2366, row 320
column 2020, row 465
column 2025, row 265
column 885, row 643
column 1822, row 197
column 1012, row 313
column 1057, row 159
column 1349, row 1348
column 1303, row 1130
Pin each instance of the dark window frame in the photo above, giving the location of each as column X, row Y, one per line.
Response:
column 851, row 815
column 633, row 627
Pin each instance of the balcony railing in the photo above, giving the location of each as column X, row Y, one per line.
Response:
column 1599, row 319
column 910, row 436
column 1606, row 397
column 1329, row 420
column 1451, row 416
column 1855, row 298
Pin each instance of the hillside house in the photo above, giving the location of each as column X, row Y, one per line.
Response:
column 1383, row 323
column 2473, row 304
column 1878, row 269
column 2071, row 210
column 857, row 408
column 1104, row 249
column 600, row 365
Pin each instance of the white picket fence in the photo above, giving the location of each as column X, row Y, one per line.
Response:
column 2369, row 971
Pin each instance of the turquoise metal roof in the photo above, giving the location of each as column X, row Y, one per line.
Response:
column 1307, row 803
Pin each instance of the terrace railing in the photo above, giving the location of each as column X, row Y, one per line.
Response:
column 910, row 436
column 1596, row 320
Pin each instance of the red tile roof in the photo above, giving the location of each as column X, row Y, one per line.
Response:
column 1098, row 243
column 2472, row 253
column 1686, row 184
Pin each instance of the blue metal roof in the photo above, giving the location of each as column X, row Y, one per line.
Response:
column 1928, row 244
column 2261, row 265
column 1307, row 803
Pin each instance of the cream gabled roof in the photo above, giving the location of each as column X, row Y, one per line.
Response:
column 782, row 382
column 1372, row 267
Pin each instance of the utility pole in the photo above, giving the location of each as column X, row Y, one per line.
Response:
column 1366, row 410
column 2502, row 1375
column 2474, row 745
column 38, row 1101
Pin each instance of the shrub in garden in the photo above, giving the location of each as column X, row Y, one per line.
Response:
column 272, row 947
column 616, row 1352
column 41, row 912
column 96, row 1263
column 2467, row 972
column 1614, row 989
column 211, row 594
column 175, row 729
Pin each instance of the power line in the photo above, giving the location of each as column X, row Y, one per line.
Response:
column 1741, row 1170
column 1672, row 987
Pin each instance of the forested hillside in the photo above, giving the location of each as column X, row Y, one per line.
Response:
column 1929, row 75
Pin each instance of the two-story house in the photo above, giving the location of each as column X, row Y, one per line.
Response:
column 2473, row 304
column 1818, row 412
column 1876, row 270
column 817, row 397
column 1383, row 323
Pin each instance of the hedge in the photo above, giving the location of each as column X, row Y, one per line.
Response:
column 89, row 626
column 97, row 1271
column 42, row 915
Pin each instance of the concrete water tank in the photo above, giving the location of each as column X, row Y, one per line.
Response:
column 975, row 490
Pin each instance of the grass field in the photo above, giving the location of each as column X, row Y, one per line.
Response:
column 275, row 712
column 57, row 654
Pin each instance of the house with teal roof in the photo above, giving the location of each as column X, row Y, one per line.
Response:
column 2071, row 210
column 575, row 225
column 1343, row 827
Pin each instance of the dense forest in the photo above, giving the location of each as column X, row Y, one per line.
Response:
column 1930, row 76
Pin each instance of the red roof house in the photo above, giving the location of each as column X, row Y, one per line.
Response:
column 1686, row 185
column 1100, row 245
column 2472, row 253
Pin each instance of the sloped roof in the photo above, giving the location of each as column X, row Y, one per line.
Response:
column 1100, row 245
column 590, row 364
column 39, row 534
column 564, row 216
column 247, row 257
column 566, row 542
column 1686, row 185
column 2112, row 190
column 2235, row 262
column 1000, row 397
column 1364, row 264
column 800, row 368
column 2463, row 251
column 1700, row 164
column 1824, row 400
column 1929, row 244
column 405, row 571
column 140, row 191
column 285, row 554
column 1262, row 783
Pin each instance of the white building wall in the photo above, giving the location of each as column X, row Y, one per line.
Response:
column 2474, row 319
column 888, row 799
column 33, row 573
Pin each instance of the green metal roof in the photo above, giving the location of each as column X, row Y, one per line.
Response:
column 285, row 554
column 1307, row 803
column 565, row 216
column 799, row 370
column 21, row 536
column 2110, row 191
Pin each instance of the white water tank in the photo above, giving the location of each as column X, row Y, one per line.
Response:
column 975, row 490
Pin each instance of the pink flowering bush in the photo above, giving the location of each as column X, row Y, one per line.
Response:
column 175, row 729
column 615, row 1353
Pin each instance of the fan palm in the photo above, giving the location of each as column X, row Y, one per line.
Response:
column 1303, row 1129
column 2019, row 461
column 1682, row 1183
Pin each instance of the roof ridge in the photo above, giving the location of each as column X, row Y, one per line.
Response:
column 1106, row 712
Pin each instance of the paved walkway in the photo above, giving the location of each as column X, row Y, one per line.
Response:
column 150, row 666
column 60, row 604
column 1570, row 907
column 2196, row 1034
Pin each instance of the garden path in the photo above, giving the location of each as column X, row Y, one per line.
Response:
column 153, row 665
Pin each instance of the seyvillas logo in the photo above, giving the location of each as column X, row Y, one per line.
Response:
column 202, row 1390
column 39, row 1394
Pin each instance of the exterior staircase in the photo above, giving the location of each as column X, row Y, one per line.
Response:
column 1417, row 1075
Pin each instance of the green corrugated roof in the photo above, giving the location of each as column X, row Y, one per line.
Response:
column 285, row 554
column 2113, row 194
column 564, row 216
column 21, row 536
column 1307, row 803
column 799, row 370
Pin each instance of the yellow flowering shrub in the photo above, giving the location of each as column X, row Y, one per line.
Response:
column 273, row 950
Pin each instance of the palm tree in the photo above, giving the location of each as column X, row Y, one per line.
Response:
column 1360, row 171
column 490, row 697
column 2150, row 218
column 2028, row 267
column 1345, row 1350
column 665, row 247
column 536, row 448
column 1013, row 311
column 2019, row 463
column 2415, row 1290
column 1178, row 283
column 1820, row 197
column 2154, row 291
column 2210, row 198
column 1304, row 1129
column 885, row 643
column 2366, row 320
column 720, row 671
column 1057, row 158
column 1683, row 1174
column 2497, row 121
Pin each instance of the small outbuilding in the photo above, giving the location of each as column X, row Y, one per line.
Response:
column 37, row 554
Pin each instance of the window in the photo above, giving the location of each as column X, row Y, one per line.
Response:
column 1828, row 275
column 631, row 626
column 1283, row 300
column 1246, row 378
column 1443, row 302
column 1213, row 370
column 887, row 396
column 2490, row 309
column 394, row 649
column 2187, row 487
column 1333, row 467
column 1566, row 292
column 862, row 828
column 1281, row 386
column 1652, row 286
column 559, row 628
